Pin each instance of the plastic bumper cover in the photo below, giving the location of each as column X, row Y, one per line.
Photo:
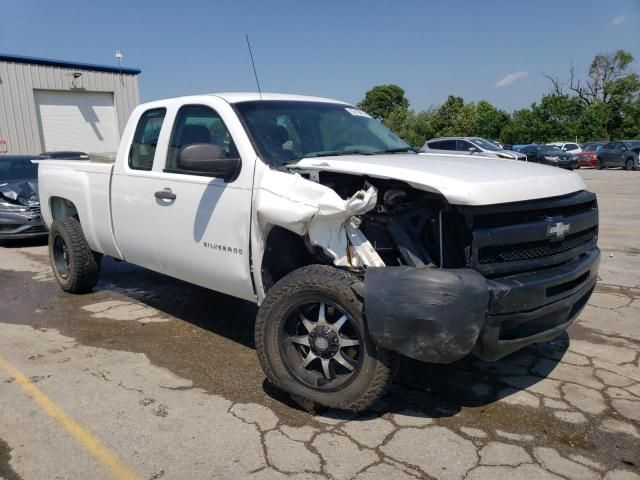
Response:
column 16, row 225
column 440, row 315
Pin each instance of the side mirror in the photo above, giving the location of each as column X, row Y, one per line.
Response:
column 206, row 159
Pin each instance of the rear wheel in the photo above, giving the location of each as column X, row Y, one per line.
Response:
column 312, row 341
column 74, row 265
column 629, row 164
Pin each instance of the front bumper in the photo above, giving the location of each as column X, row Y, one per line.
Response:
column 440, row 315
column 20, row 225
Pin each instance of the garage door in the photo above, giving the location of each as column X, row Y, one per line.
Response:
column 84, row 121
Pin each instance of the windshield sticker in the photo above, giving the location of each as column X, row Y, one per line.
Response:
column 357, row 113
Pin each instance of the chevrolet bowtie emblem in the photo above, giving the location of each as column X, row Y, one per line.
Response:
column 558, row 230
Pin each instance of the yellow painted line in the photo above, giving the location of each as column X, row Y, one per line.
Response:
column 105, row 456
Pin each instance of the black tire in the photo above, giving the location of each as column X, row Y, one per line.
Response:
column 599, row 164
column 283, row 360
column 629, row 164
column 75, row 266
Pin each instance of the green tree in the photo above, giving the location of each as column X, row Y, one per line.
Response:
column 524, row 127
column 489, row 121
column 381, row 100
column 558, row 117
column 609, row 81
column 445, row 119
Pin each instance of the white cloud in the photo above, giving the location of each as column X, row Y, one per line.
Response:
column 511, row 78
column 619, row 20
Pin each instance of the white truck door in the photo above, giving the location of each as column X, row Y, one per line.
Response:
column 133, row 186
column 201, row 228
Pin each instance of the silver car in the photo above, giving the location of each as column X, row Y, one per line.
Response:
column 471, row 146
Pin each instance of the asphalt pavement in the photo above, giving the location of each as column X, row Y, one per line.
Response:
column 152, row 378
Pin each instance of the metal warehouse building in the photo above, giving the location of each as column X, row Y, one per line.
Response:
column 51, row 105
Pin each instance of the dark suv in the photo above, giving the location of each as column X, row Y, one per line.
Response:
column 621, row 153
column 550, row 155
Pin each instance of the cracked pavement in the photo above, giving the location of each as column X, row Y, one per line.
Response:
column 165, row 375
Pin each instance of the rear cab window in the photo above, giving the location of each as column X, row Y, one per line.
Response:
column 145, row 139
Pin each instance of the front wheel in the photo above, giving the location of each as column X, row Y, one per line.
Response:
column 74, row 265
column 599, row 164
column 629, row 164
column 312, row 341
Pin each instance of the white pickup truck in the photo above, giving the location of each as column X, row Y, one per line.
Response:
column 356, row 248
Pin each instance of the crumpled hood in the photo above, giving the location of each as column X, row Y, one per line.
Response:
column 461, row 180
column 23, row 192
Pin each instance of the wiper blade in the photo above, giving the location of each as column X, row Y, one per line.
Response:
column 337, row 153
column 396, row 150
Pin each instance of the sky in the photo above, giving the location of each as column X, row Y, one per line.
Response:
column 492, row 50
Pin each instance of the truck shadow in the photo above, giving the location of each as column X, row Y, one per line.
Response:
column 421, row 389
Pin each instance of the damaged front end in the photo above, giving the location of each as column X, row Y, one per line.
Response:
column 441, row 281
column 20, row 211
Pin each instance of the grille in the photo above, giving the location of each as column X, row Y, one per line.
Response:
column 35, row 209
column 533, row 250
column 528, row 216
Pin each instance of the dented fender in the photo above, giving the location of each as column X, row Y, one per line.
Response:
column 431, row 315
column 308, row 208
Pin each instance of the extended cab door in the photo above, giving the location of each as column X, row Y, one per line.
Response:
column 133, row 186
column 202, row 225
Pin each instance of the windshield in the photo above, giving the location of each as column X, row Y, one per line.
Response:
column 12, row 169
column 485, row 144
column 634, row 144
column 286, row 131
column 549, row 149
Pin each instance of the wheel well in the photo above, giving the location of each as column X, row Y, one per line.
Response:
column 61, row 207
column 284, row 252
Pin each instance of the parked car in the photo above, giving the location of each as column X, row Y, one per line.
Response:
column 19, row 203
column 588, row 157
column 469, row 146
column 317, row 212
column 550, row 155
column 68, row 154
column 519, row 146
column 596, row 144
column 568, row 147
column 621, row 153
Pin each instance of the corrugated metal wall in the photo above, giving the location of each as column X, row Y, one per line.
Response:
column 19, row 123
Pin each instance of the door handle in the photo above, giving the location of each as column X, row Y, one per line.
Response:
column 165, row 194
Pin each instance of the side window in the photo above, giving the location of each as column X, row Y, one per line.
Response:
column 443, row 145
column 610, row 146
column 145, row 139
column 463, row 146
column 199, row 124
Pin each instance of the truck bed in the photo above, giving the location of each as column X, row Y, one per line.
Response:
column 85, row 183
